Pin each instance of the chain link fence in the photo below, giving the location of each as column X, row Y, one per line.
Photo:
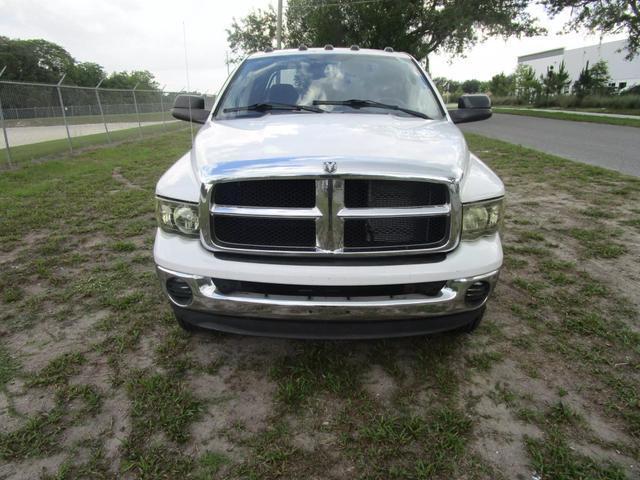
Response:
column 40, row 119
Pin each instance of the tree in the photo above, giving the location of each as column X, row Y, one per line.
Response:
column 86, row 74
column 253, row 33
column 555, row 82
column 42, row 61
column 562, row 79
column 603, row 16
column 34, row 60
column 502, row 85
column 418, row 27
column 471, row 86
column 527, row 85
column 143, row 78
column 593, row 80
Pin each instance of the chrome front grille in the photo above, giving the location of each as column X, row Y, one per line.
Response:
column 330, row 215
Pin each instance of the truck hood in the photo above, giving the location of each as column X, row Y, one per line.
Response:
column 301, row 143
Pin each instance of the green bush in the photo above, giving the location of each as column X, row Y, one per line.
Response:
column 614, row 102
column 510, row 100
column 591, row 101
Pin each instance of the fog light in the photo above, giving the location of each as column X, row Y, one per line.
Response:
column 179, row 291
column 477, row 293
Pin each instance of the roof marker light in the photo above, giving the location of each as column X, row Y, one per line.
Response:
column 328, row 46
column 388, row 49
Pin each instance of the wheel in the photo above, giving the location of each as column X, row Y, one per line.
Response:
column 475, row 323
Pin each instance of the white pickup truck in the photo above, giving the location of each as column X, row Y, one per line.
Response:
column 329, row 194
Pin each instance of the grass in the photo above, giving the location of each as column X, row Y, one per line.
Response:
column 9, row 366
column 574, row 117
column 59, row 370
column 38, row 437
column 88, row 344
column 159, row 403
column 316, row 368
column 554, row 458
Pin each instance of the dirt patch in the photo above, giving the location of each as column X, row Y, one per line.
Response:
column 118, row 177
column 52, row 338
column 500, row 435
column 32, row 468
column 379, row 384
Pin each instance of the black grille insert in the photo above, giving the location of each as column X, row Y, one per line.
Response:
column 264, row 233
column 267, row 193
column 477, row 293
column 393, row 193
column 396, row 232
column 228, row 287
column 179, row 290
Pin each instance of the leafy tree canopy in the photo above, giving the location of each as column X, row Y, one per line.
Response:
column 603, row 16
column 502, row 85
column 253, row 33
column 527, row 85
column 34, row 60
column 42, row 61
column 143, row 78
column 86, row 74
column 555, row 82
column 418, row 27
column 471, row 86
column 593, row 80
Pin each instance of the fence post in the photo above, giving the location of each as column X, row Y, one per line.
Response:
column 164, row 123
column 135, row 104
column 101, row 112
column 4, row 127
column 64, row 115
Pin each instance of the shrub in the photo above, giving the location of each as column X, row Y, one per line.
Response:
column 615, row 102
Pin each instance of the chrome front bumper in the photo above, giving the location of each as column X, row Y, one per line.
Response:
column 207, row 299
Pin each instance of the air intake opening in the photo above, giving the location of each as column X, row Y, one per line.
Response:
column 179, row 291
column 477, row 293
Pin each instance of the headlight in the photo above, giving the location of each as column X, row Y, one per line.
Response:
column 481, row 218
column 178, row 217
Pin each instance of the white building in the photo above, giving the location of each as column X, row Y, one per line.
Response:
column 623, row 73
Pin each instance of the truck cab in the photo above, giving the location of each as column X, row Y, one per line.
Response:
column 329, row 194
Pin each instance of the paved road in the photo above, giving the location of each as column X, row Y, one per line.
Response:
column 609, row 146
column 575, row 112
column 27, row 135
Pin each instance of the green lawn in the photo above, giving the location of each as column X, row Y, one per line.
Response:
column 575, row 117
column 97, row 380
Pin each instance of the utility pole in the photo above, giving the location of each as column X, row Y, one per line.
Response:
column 279, row 26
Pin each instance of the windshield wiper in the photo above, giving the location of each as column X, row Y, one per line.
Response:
column 355, row 103
column 264, row 107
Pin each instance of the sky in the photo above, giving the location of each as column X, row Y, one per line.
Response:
column 149, row 35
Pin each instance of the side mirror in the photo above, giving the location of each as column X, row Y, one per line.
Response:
column 190, row 108
column 471, row 108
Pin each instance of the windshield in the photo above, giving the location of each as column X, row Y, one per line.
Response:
column 301, row 79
